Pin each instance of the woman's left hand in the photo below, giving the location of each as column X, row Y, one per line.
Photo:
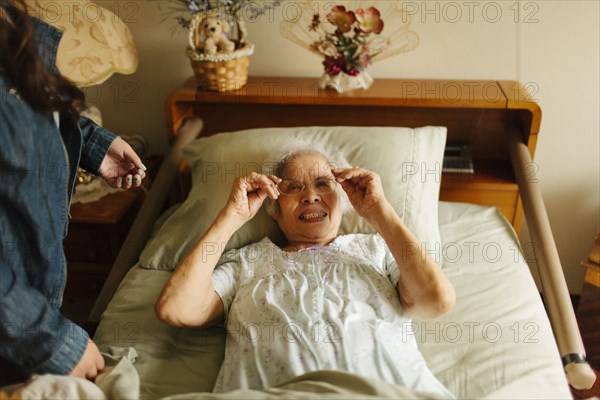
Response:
column 122, row 167
column 364, row 190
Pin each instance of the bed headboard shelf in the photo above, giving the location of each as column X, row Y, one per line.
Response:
column 474, row 111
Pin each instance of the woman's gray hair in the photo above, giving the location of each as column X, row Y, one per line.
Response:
column 277, row 162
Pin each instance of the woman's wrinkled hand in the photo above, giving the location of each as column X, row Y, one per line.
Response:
column 121, row 167
column 364, row 189
column 249, row 192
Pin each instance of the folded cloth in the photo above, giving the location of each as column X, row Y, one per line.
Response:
column 118, row 380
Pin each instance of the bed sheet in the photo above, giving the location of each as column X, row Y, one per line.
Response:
column 495, row 343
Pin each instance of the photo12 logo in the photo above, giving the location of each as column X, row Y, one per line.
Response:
column 75, row 12
column 470, row 332
column 453, row 12
column 290, row 332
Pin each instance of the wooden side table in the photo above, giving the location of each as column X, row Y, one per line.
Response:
column 97, row 231
column 588, row 311
column 588, row 318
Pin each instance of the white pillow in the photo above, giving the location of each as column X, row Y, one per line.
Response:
column 409, row 162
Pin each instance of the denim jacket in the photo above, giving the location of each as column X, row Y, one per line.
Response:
column 38, row 165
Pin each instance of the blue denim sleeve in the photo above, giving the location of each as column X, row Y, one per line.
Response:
column 33, row 209
column 29, row 322
column 95, row 143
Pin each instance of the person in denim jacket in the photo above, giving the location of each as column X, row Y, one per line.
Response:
column 42, row 141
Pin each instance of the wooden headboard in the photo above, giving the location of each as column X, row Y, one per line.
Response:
column 476, row 112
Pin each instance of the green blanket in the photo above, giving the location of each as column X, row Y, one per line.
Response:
column 120, row 380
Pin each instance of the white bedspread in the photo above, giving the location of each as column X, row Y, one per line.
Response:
column 497, row 341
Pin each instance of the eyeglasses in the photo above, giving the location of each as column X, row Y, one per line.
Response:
column 320, row 186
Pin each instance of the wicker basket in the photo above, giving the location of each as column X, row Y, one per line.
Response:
column 222, row 71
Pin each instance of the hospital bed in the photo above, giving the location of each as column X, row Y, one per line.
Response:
column 499, row 341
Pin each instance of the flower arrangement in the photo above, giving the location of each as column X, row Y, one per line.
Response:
column 348, row 49
column 350, row 36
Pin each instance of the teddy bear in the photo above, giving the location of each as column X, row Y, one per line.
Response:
column 212, row 36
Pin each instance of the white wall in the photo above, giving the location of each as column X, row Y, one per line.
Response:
column 551, row 45
column 560, row 54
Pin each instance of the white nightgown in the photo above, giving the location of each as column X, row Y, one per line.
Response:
column 323, row 308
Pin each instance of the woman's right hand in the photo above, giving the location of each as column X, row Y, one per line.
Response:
column 249, row 192
column 90, row 364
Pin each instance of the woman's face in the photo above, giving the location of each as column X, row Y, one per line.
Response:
column 310, row 216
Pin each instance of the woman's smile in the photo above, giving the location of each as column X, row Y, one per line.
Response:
column 313, row 216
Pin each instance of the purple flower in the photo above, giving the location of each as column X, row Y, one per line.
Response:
column 352, row 71
column 193, row 7
column 333, row 65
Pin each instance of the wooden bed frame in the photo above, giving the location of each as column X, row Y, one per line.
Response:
column 500, row 121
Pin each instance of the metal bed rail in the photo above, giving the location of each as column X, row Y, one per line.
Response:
column 560, row 310
column 143, row 224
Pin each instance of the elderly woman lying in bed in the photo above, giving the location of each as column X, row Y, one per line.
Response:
column 319, row 301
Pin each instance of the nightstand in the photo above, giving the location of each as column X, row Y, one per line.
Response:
column 588, row 317
column 97, row 230
column 588, row 311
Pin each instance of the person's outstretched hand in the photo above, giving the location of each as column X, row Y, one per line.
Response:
column 122, row 167
column 90, row 364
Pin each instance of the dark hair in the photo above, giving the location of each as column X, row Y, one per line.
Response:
column 43, row 90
